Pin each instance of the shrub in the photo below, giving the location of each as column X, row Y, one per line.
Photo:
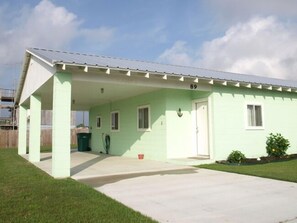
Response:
column 235, row 157
column 276, row 145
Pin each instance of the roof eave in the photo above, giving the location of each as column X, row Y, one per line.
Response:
column 22, row 78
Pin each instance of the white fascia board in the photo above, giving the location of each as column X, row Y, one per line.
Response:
column 23, row 77
column 153, row 81
column 43, row 60
column 165, row 76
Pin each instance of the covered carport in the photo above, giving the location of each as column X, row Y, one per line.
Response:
column 65, row 82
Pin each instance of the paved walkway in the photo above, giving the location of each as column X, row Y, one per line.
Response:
column 203, row 196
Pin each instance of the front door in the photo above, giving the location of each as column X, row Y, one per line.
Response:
column 201, row 116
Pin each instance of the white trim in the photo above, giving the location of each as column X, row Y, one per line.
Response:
column 40, row 58
column 115, row 130
column 149, row 119
column 209, row 123
column 224, row 83
column 247, row 127
column 98, row 116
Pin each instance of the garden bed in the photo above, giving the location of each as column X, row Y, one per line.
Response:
column 261, row 160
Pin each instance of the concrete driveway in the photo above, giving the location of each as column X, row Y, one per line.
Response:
column 199, row 195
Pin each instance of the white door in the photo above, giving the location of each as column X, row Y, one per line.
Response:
column 201, row 111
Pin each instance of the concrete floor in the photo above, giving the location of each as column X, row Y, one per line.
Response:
column 177, row 193
column 93, row 165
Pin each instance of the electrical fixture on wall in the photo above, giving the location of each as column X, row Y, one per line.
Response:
column 102, row 90
column 179, row 113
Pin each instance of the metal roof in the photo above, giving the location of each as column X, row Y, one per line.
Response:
column 59, row 57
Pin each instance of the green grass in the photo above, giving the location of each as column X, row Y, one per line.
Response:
column 27, row 194
column 285, row 170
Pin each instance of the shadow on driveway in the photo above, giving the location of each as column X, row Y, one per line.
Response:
column 100, row 181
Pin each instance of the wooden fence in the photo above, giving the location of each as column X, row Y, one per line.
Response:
column 9, row 138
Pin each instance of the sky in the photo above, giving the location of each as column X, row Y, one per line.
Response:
column 257, row 37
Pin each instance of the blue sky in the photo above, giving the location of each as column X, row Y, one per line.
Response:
column 252, row 37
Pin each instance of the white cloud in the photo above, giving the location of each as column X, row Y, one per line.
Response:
column 261, row 46
column 45, row 26
column 178, row 54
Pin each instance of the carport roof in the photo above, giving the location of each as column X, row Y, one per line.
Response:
column 53, row 58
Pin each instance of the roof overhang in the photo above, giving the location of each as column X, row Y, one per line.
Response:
column 125, row 72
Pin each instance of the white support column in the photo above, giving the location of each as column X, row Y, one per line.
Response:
column 35, row 128
column 22, row 136
column 61, row 125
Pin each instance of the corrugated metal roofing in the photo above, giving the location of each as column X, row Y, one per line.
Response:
column 59, row 57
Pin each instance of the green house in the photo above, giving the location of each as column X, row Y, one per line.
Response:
column 165, row 112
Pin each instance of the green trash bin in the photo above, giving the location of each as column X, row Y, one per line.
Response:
column 83, row 141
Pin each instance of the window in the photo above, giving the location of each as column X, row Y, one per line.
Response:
column 254, row 116
column 98, row 122
column 115, row 121
column 143, row 117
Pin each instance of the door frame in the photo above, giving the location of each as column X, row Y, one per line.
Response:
column 209, row 122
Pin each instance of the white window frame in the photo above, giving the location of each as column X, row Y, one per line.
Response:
column 247, row 126
column 111, row 114
column 98, row 117
column 149, row 118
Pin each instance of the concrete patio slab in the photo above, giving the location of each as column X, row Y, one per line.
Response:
column 94, row 165
column 204, row 196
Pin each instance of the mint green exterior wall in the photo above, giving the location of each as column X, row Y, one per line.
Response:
column 170, row 135
column 129, row 141
column 174, row 137
column 229, row 120
column 181, row 130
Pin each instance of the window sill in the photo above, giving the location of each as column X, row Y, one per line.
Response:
column 255, row 128
column 144, row 130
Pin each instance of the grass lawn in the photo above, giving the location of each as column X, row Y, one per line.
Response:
column 285, row 170
column 27, row 194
